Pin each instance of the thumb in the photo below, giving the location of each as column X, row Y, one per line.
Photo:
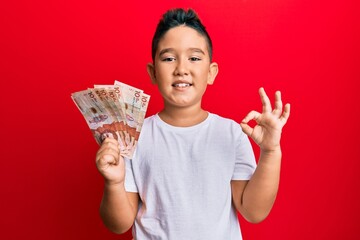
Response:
column 246, row 128
column 253, row 115
column 108, row 159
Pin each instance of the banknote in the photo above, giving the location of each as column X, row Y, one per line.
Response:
column 95, row 114
column 131, row 97
column 132, row 100
column 111, row 104
column 115, row 100
column 115, row 111
column 145, row 98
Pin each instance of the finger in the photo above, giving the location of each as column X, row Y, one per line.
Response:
column 246, row 129
column 108, row 159
column 108, row 151
column 285, row 116
column 103, row 151
column 278, row 104
column 265, row 100
column 253, row 115
column 109, row 141
column 114, row 145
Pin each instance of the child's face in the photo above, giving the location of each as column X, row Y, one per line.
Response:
column 182, row 68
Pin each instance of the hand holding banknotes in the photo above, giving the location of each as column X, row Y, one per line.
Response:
column 114, row 111
column 110, row 163
column 267, row 132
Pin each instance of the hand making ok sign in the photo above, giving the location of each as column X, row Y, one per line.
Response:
column 267, row 132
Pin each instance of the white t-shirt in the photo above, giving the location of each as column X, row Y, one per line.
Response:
column 183, row 176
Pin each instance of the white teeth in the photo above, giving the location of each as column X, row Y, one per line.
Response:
column 182, row 85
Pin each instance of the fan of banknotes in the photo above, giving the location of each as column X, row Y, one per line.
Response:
column 114, row 111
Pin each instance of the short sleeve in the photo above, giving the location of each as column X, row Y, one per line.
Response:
column 130, row 185
column 245, row 163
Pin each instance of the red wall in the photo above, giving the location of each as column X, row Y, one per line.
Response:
column 50, row 188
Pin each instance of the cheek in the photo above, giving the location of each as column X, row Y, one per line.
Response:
column 202, row 72
column 162, row 72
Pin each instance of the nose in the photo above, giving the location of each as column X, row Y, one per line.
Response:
column 181, row 68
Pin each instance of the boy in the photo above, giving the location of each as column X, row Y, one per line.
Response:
column 192, row 169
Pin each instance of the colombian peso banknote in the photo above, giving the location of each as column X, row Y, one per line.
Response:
column 114, row 111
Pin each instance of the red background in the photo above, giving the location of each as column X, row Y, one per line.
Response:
column 50, row 188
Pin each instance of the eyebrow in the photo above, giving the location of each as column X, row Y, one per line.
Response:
column 166, row 50
column 197, row 50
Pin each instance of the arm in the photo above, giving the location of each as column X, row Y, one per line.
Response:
column 255, row 198
column 118, row 208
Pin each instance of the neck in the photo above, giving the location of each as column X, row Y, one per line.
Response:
column 183, row 117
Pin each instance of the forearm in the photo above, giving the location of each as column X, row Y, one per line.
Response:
column 116, row 209
column 260, row 192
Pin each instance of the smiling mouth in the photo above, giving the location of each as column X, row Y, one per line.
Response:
column 181, row 85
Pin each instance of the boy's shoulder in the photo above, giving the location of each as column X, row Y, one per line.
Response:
column 223, row 120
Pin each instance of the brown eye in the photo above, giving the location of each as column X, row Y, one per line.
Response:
column 194, row 59
column 168, row 59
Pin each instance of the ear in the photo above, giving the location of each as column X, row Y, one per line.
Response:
column 151, row 71
column 213, row 71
